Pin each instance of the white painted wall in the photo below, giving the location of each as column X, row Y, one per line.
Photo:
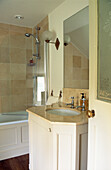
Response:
column 56, row 18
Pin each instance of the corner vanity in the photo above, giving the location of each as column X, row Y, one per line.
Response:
column 57, row 138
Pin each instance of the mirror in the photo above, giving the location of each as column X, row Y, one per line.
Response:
column 76, row 50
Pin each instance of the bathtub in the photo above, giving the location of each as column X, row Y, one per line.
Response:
column 14, row 140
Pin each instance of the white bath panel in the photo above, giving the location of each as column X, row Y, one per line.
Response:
column 8, row 136
column 24, row 134
column 13, row 140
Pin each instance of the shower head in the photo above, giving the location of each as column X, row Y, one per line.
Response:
column 35, row 37
column 28, row 34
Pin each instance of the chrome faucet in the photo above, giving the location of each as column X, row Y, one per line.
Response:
column 83, row 105
column 72, row 103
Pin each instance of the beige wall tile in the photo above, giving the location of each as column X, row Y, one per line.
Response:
column 18, row 102
column 28, row 30
column 29, row 75
column 85, row 84
column 18, row 76
column 85, row 74
column 28, row 55
column 76, row 61
column 4, row 37
column 84, row 62
column 76, row 84
column 5, row 87
column 5, row 83
column 76, row 74
column 5, row 76
column 17, row 40
column 4, row 55
column 18, row 91
column 6, row 103
column 69, row 51
column 17, row 29
column 29, row 83
column 4, row 26
column 5, row 91
column 18, row 55
column 29, row 96
column 18, row 83
column 4, row 68
column 28, row 41
column 18, row 68
column 29, row 72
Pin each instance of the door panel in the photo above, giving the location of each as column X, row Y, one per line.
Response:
column 99, row 139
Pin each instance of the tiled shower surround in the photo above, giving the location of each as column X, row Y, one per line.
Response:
column 16, row 77
column 16, row 83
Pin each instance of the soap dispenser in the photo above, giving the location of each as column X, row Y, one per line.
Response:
column 83, row 96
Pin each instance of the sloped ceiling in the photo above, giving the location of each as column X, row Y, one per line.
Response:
column 32, row 10
column 77, row 27
column 80, row 39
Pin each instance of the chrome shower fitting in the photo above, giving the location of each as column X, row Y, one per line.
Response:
column 36, row 41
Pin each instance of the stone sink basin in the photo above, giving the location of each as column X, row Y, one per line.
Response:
column 63, row 112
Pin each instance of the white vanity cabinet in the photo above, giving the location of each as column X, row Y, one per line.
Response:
column 57, row 146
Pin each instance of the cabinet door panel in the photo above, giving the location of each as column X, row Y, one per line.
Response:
column 40, row 147
column 64, row 146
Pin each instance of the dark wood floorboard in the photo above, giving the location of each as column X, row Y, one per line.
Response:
column 17, row 163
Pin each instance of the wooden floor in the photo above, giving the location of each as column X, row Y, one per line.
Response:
column 17, row 163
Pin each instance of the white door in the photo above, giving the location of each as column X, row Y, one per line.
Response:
column 99, row 148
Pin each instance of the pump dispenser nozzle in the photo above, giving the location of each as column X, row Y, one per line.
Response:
column 82, row 95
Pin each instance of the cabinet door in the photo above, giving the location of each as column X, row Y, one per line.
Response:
column 64, row 147
column 40, row 145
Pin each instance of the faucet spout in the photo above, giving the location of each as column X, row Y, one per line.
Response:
column 83, row 105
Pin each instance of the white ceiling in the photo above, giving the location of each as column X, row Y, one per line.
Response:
column 32, row 10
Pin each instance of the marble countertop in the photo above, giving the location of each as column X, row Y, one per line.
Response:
column 53, row 118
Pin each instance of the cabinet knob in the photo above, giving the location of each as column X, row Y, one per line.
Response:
column 49, row 130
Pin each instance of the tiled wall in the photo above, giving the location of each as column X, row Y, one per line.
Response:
column 76, row 72
column 16, row 83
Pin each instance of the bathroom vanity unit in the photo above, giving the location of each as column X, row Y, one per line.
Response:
column 57, row 141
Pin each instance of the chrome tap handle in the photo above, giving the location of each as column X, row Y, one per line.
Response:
column 72, row 106
column 72, row 103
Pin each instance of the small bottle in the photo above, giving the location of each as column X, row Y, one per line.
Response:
column 60, row 96
column 52, row 93
column 83, row 96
